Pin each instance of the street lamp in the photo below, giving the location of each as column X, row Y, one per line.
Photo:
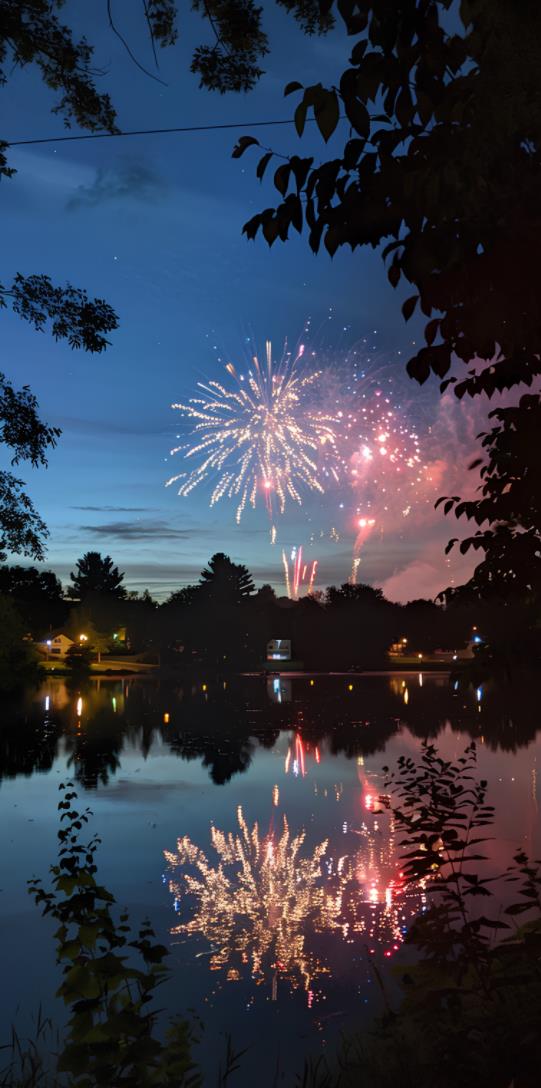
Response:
column 83, row 638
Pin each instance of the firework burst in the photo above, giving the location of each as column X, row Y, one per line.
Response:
column 262, row 436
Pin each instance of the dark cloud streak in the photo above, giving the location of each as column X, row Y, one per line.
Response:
column 141, row 530
column 129, row 180
column 114, row 509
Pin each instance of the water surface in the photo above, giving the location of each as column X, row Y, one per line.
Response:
column 241, row 817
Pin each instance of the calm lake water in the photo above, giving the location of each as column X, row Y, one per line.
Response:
column 239, row 817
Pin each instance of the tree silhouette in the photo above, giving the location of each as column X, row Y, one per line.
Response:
column 21, row 529
column 16, row 657
column 265, row 595
column 508, row 511
column 30, row 584
column 96, row 574
column 37, row 595
column 225, row 582
column 359, row 594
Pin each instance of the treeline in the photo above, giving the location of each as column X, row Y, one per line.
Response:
column 225, row 622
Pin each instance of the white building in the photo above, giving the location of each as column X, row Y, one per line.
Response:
column 55, row 645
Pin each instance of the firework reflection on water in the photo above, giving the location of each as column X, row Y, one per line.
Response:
column 265, row 902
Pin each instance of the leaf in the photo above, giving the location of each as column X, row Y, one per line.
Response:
column 293, row 86
column 262, row 165
column 518, row 908
column 300, row 169
column 393, row 274
column 331, row 240
column 409, row 306
column 431, row 330
column 358, row 52
column 300, row 116
column 492, row 923
column 270, row 230
column 252, row 226
column 281, row 178
column 358, row 116
column 352, row 153
column 294, row 207
column 327, row 112
column 242, row 144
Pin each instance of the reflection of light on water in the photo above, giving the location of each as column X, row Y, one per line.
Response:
column 279, row 689
column 47, row 702
column 296, row 756
column 255, row 905
column 263, row 903
column 79, row 707
column 275, row 795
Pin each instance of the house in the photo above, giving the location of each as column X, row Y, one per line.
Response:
column 279, row 649
column 56, row 644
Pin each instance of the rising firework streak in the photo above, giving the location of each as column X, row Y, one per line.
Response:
column 298, row 575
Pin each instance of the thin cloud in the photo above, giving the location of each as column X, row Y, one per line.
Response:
column 140, row 530
column 114, row 509
column 130, row 180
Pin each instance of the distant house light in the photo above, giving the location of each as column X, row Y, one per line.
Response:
column 279, row 649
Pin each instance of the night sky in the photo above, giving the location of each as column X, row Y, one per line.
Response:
column 153, row 225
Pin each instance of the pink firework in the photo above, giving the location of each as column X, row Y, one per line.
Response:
column 299, row 575
column 385, row 467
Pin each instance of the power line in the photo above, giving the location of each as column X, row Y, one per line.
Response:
column 149, row 132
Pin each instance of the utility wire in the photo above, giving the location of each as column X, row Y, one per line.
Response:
column 149, row 132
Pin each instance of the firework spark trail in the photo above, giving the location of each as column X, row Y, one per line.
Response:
column 260, row 436
column 286, row 573
column 313, row 570
column 301, row 574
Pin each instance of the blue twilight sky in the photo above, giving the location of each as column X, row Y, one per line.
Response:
column 153, row 225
